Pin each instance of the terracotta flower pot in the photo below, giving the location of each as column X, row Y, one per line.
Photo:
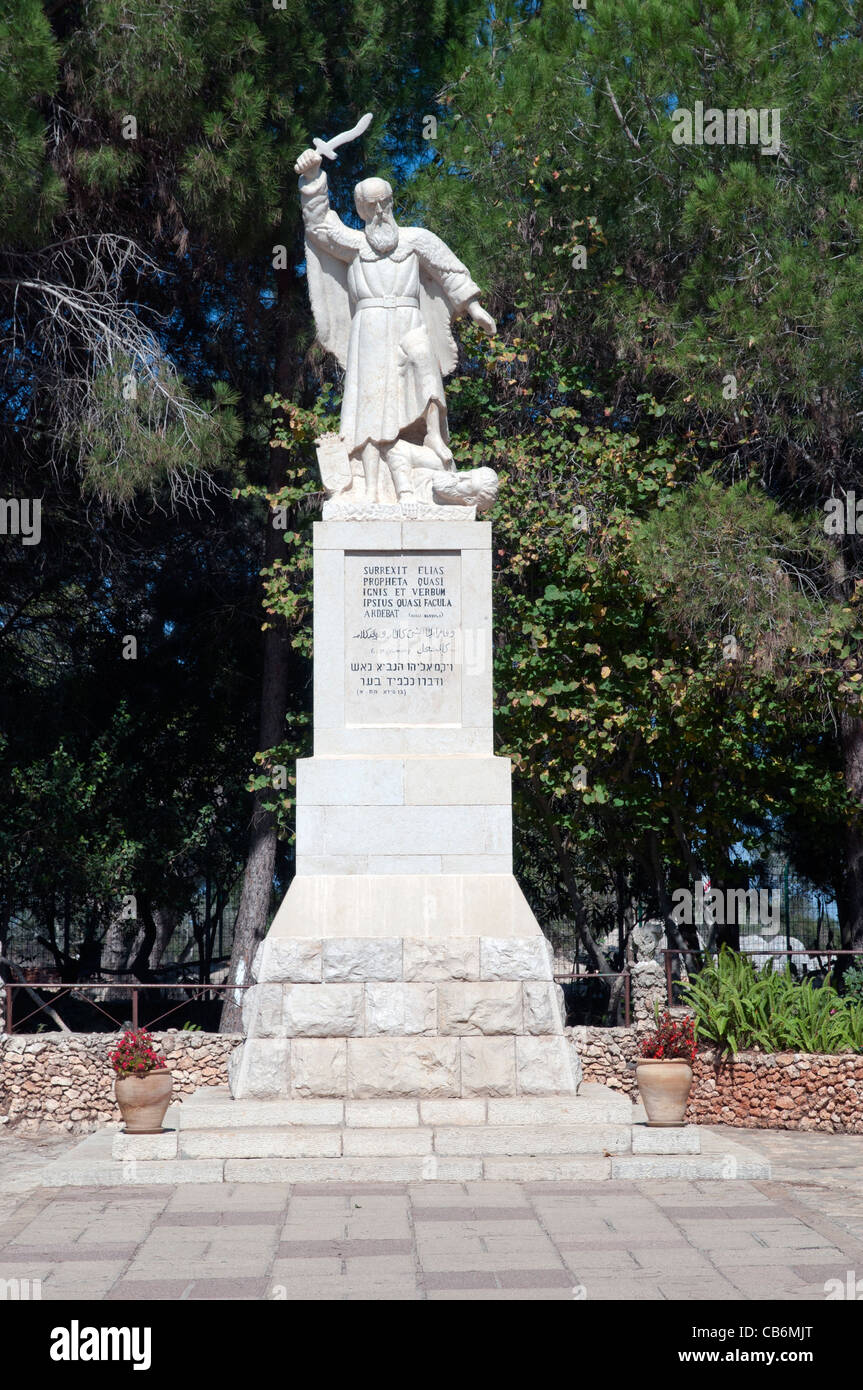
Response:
column 664, row 1086
column 143, row 1100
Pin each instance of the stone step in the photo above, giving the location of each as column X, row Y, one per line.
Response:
column 221, row 1112
column 334, row 1141
column 213, row 1108
column 91, row 1164
column 489, row 1140
column 431, row 1168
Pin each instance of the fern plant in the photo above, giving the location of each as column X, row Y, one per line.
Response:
column 737, row 1008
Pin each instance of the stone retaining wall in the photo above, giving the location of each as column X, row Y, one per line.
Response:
column 67, row 1082
column 755, row 1090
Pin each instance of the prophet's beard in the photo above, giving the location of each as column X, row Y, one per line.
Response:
column 383, row 236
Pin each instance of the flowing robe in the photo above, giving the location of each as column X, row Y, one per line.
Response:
column 386, row 317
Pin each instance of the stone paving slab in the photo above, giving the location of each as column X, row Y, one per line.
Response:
column 681, row 1238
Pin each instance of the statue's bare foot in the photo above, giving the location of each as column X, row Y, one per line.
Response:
column 436, row 443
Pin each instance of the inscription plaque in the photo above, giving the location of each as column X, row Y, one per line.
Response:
column 402, row 638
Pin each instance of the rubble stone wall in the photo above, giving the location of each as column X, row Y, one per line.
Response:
column 754, row 1090
column 66, row 1081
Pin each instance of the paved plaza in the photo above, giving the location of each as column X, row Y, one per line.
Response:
column 674, row 1240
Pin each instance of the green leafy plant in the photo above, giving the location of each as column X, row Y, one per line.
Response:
column 853, row 982
column 737, row 1008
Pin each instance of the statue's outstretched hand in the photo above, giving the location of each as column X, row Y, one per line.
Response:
column 308, row 163
column 481, row 318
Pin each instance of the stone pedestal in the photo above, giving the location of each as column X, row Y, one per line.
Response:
column 404, row 961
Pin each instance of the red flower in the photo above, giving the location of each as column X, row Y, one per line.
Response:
column 135, row 1054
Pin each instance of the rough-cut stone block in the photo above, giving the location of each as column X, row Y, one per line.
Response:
column 292, row 1141
column 143, row 1146
column 291, row 1170
column 111, row 1173
column 514, row 958
column 362, row 958
column 453, row 1112
column 411, row 1168
column 552, row 1169
column 480, row 1007
column 389, row 1143
column 263, row 1007
column 381, row 1114
column 319, row 1067
column 260, row 1068
column 226, row 1113
column 546, row 1066
column 488, row 1067
column 401, row 1009
column 323, row 1011
column 437, row 1168
column 694, row 1167
column 450, row 958
column 543, row 1007
column 562, row 1110
column 525, row 1139
column 683, row 1140
column 285, row 961
column 403, row 1067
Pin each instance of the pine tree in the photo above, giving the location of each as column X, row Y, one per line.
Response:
column 712, row 291
column 175, row 128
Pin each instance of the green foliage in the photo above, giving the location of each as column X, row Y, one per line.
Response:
column 702, row 260
column 737, row 1008
column 852, row 982
column 226, row 96
column 31, row 191
column 131, row 445
column 728, row 556
column 124, row 776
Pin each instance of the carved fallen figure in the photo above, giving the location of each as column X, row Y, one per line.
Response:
column 383, row 300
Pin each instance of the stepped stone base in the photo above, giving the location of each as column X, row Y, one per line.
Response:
column 464, row 1006
column 594, row 1136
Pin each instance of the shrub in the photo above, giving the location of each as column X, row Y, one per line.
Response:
column 736, row 1008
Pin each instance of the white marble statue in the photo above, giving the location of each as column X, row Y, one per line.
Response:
column 383, row 300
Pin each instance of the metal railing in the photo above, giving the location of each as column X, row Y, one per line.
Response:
column 767, row 951
column 59, row 991
column 602, row 975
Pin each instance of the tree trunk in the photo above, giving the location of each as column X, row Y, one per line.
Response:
column 116, row 950
column 166, row 920
column 851, row 899
column 253, row 912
